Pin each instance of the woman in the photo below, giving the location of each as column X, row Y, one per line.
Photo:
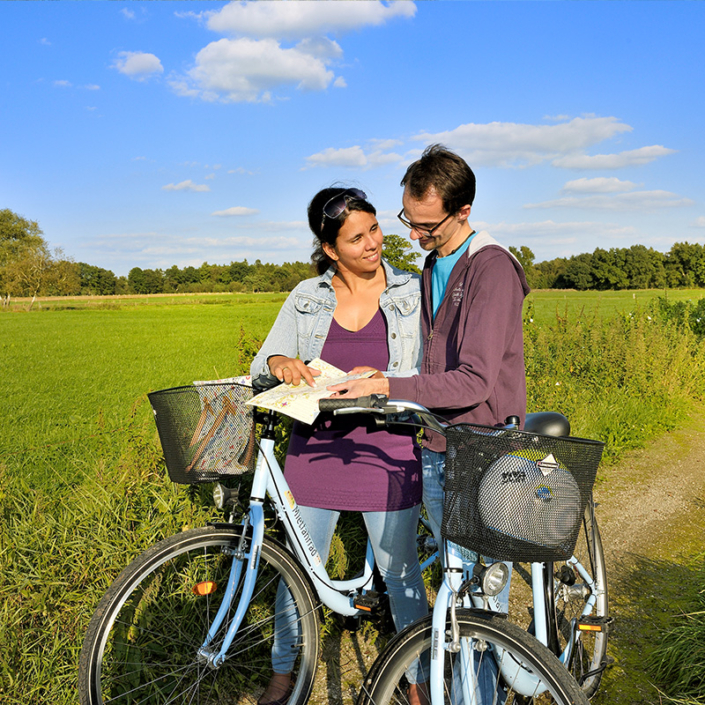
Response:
column 359, row 311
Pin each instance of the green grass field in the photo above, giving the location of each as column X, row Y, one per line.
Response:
column 73, row 369
column 82, row 485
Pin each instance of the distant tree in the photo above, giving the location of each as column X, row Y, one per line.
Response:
column 578, row 273
column 526, row 260
column 96, row 281
column 18, row 236
column 397, row 251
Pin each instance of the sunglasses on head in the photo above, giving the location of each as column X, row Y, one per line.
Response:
column 336, row 205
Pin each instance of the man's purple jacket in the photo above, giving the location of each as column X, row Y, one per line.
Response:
column 473, row 351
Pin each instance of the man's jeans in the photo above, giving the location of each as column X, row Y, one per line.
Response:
column 433, row 483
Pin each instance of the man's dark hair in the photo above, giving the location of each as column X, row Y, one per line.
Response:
column 445, row 172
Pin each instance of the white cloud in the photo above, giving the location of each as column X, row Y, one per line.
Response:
column 209, row 177
column 63, row 84
column 700, row 222
column 236, row 211
column 513, row 144
column 234, row 70
column 340, row 82
column 599, row 185
column 138, row 65
column 187, row 185
column 352, row 158
column 634, row 201
column 304, row 18
column 634, row 157
column 92, row 87
column 45, row 42
column 240, row 170
column 129, row 14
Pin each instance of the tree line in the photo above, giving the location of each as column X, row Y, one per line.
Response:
column 635, row 267
column 29, row 268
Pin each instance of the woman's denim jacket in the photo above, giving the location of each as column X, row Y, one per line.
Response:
column 302, row 325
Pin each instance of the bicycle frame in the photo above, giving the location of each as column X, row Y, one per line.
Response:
column 523, row 681
column 338, row 595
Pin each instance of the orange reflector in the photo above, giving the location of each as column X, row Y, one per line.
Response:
column 589, row 627
column 206, row 588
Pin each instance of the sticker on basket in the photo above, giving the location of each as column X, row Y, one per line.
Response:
column 548, row 464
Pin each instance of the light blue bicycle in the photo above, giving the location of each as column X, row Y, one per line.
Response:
column 192, row 620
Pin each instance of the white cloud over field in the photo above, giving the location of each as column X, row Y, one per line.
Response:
column 277, row 45
column 236, row 211
column 634, row 157
column 304, row 18
column 187, row 185
column 138, row 65
column 634, row 201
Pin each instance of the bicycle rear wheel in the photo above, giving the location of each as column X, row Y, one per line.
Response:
column 143, row 640
column 590, row 651
column 486, row 635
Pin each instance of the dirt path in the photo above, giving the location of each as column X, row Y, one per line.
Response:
column 651, row 511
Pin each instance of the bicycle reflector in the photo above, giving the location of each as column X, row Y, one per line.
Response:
column 207, row 587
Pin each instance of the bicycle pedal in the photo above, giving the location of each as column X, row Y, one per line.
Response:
column 594, row 624
column 371, row 603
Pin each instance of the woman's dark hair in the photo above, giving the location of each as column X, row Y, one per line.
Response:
column 326, row 229
column 445, row 172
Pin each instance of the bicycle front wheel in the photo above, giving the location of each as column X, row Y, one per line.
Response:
column 495, row 647
column 571, row 595
column 143, row 640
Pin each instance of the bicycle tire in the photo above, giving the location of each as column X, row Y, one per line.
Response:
column 387, row 682
column 141, row 644
column 590, row 652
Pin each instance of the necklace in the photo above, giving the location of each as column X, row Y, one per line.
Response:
column 472, row 232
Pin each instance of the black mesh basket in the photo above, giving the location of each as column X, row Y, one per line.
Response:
column 516, row 496
column 206, row 431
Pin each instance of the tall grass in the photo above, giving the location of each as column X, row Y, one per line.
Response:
column 678, row 663
column 623, row 379
column 72, row 515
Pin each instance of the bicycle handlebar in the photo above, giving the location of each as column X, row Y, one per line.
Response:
column 381, row 405
column 373, row 401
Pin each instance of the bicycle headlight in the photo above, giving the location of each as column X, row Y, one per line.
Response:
column 494, row 578
column 220, row 495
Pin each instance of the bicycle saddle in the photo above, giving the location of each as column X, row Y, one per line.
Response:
column 547, row 423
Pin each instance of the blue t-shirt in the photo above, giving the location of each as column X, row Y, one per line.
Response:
column 441, row 273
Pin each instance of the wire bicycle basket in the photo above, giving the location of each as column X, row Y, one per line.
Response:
column 516, row 496
column 206, row 431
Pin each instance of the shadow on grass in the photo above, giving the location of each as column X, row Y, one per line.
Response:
column 646, row 595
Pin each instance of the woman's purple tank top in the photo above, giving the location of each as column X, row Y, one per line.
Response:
column 345, row 462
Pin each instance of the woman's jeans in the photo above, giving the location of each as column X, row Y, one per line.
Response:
column 393, row 538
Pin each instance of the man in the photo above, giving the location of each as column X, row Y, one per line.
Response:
column 472, row 295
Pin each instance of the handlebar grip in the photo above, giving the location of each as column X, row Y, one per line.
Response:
column 373, row 401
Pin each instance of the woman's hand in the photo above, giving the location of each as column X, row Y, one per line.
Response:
column 290, row 370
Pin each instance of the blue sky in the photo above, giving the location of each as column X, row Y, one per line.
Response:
column 159, row 133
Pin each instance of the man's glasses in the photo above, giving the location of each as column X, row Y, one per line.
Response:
column 422, row 229
column 339, row 203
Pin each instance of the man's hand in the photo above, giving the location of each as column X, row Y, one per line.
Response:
column 290, row 370
column 360, row 388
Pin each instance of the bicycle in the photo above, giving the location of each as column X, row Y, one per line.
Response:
column 191, row 620
column 465, row 652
